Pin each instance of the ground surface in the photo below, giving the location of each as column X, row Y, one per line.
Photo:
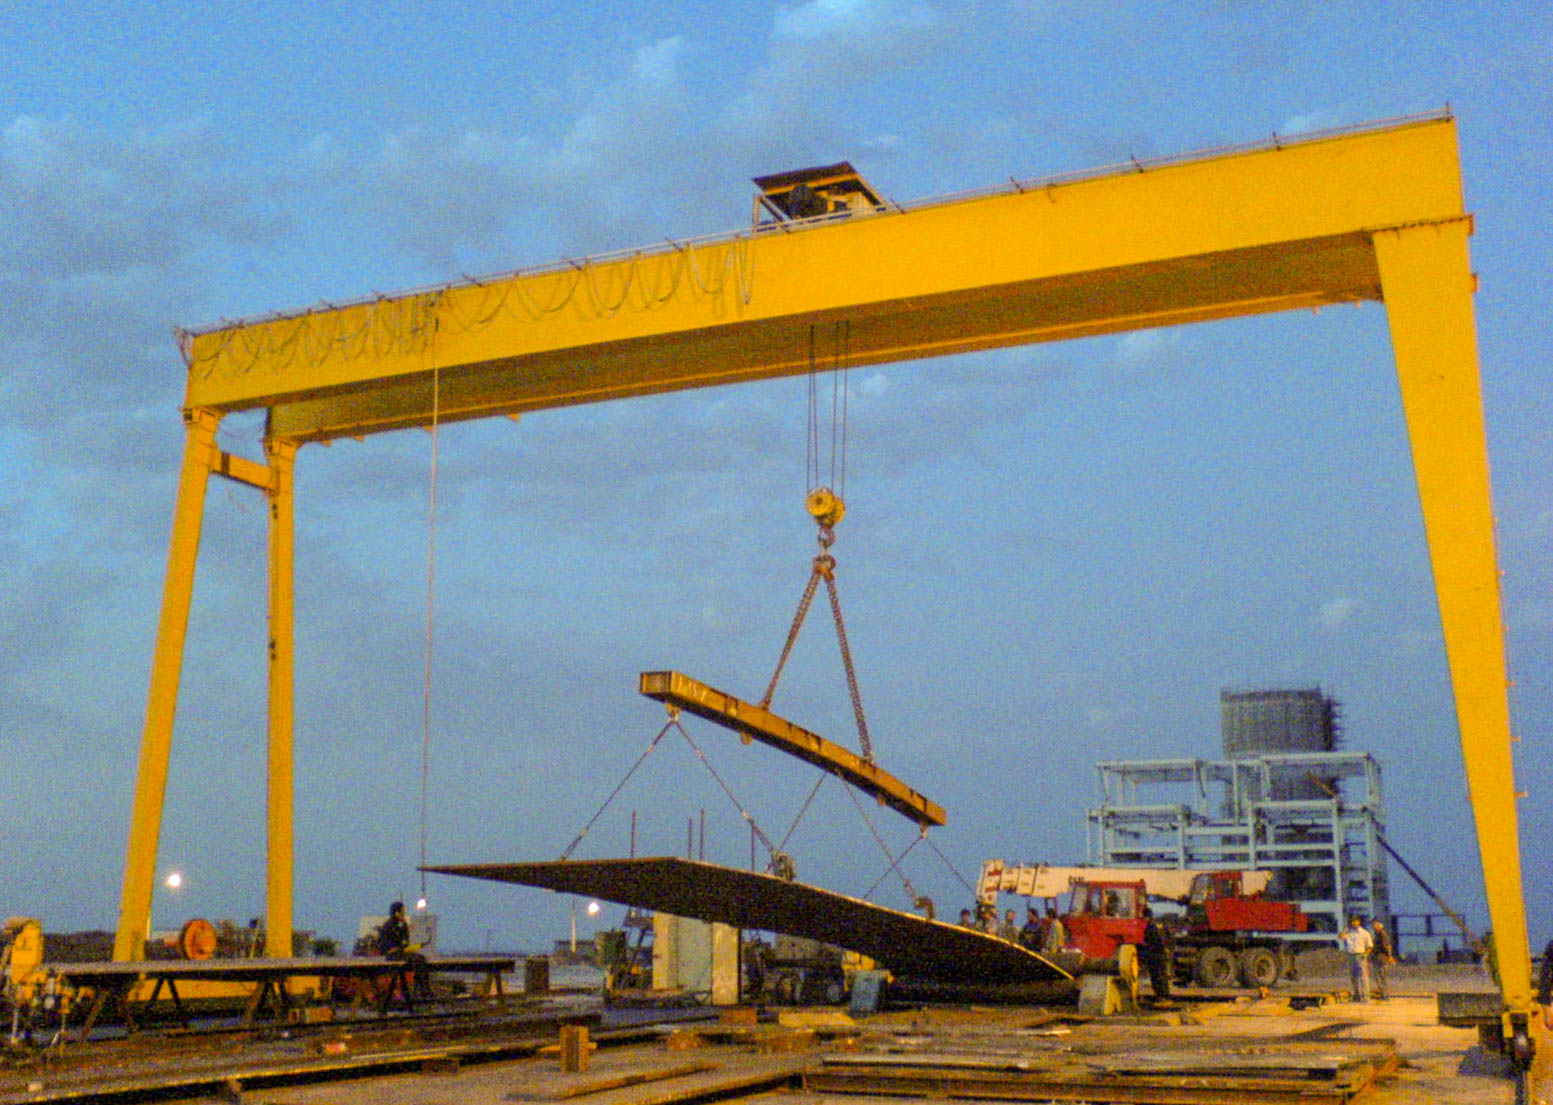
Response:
column 1437, row 1064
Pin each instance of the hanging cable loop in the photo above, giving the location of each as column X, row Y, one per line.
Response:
column 953, row 870
column 572, row 847
column 744, row 813
column 886, row 872
column 802, row 810
column 911, row 891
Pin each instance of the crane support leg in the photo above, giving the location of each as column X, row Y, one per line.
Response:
column 199, row 459
column 277, row 929
column 1427, row 284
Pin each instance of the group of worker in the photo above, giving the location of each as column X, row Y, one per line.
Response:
column 1370, row 952
column 1047, row 935
column 1044, row 934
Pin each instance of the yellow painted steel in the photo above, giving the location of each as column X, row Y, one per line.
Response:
column 279, row 862
column 1210, row 238
column 199, row 456
column 241, row 470
column 755, row 722
column 1376, row 213
column 1428, row 284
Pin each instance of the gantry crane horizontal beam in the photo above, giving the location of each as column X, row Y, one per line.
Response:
column 756, row 722
column 1283, row 227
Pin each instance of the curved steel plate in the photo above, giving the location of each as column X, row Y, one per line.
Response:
column 902, row 942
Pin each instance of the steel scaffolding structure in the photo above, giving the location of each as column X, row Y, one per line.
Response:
column 1221, row 814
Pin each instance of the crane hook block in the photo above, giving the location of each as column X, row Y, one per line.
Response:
column 825, row 506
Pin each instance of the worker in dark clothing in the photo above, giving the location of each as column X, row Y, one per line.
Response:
column 1381, row 957
column 393, row 942
column 1544, row 983
column 1155, row 954
column 1033, row 935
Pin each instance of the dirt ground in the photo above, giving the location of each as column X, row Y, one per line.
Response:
column 1438, row 1065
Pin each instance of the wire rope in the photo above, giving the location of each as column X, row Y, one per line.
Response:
column 744, row 813
column 570, row 848
column 431, row 595
column 883, row 847
column 782, row 847
column 886, row 872
column 811, row 460
column 952, row 869
column 846, row 369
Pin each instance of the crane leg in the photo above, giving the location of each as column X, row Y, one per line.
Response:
column 1427, row 284
column 199, row 459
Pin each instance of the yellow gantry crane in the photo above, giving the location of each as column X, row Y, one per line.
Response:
column 1375, row 213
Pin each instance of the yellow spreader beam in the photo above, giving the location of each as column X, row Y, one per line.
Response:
column 1375, row 213
column 759, row 723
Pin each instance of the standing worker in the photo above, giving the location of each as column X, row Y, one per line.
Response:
column 1545, row 986
column 1358, row 943
column 1056, row 933
column 1009, row 929
column 1033, row 935
column 1381, row 957
column 1156, row 955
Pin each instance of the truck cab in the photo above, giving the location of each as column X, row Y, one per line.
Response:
column 1218, row 903
column 1102, row 916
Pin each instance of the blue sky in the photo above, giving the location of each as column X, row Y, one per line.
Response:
column 1052, row 555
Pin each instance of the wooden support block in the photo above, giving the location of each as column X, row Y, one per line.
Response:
column 737, row 1014
column 575, row 1049
column 776, row 1043
column 570, row 1088
column 684, row 1039
column 310, row 1014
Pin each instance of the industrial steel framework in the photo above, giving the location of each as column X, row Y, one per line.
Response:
column 1212, row 814
column 1371, row 214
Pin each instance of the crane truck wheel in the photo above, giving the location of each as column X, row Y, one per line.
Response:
column 1258, row 967
column 1215, row 968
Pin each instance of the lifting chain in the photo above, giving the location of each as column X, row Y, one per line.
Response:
column 827, row 509
column 846, row 662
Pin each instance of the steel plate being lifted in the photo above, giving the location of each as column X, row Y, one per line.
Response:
column 901, row 942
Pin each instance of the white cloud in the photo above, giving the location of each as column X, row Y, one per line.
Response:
column 107, row 238
column 1338, row 611
column 442, row 193
column 822, row 54
column 872, row 386
column 829, row 19
column 1140, row 345
column 1310, row 121
column 87, row 201
column 657, row 64
column 1144, row 348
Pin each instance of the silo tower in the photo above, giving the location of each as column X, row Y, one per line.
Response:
column 1269, row 722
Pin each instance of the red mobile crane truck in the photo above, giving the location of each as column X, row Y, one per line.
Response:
column 1229, row 930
